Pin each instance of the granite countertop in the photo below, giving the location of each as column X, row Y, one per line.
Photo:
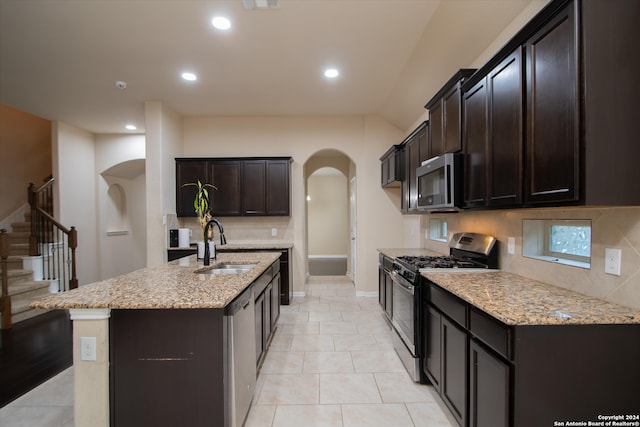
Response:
column 171, row 285
column 517, row 300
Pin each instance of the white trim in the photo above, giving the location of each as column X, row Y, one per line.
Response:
column 299, row 294
column 373, row 294
column 89, row 313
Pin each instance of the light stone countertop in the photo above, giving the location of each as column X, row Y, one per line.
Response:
column 517, row 300
column 171, row 285
column 398, row 252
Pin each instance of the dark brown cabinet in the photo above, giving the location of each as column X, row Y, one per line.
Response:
column 413, row 157
column 446, row 350
column 225, row 200
column 385, row 285
column 488, row 373
column 254, row 182
column 267, row 309
column 553, row 135
column 493, row 136
column 432, row 328
column 488, row 388
column 189, row 171
column 560, row 111
column 475, row 145
column 245, row 186
column 454, row 369
column 391, row 167
column 445, row 116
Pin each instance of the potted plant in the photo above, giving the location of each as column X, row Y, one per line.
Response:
column 202, row 207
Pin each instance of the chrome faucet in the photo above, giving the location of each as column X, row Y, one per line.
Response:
column 223, row 240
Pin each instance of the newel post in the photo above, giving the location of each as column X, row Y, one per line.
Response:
column 5, row 301
column 33, row 237
column 73, row 244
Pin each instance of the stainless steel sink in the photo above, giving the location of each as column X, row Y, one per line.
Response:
column 227, row 269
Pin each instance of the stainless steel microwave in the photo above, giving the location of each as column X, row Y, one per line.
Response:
column 440, row 183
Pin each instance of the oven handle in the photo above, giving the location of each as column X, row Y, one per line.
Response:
column 402, row 282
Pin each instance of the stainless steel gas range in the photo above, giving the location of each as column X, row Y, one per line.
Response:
column 467, row 251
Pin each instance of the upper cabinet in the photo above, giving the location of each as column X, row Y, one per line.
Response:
column 553, row 134
column 550, row 119
column 492, row 135
column 392, row 167
column 415, row 152
column 446, row 115
column 245, row 186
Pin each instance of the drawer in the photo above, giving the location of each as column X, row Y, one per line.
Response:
column 449, row 304
column 492, row 332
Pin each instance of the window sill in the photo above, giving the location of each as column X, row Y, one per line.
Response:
column 562, row 261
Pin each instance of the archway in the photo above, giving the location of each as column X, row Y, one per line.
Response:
column 330, row 227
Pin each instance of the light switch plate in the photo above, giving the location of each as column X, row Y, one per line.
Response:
column 274, row 232
column 88, row 348
column 612, row 261
column 511, row 245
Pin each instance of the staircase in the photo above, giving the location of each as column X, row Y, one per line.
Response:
column 22, row 288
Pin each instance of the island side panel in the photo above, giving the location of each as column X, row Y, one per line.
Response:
column 167, row 367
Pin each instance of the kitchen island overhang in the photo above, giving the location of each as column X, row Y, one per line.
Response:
column 171, row 320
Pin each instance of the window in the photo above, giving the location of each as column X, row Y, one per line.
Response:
column 438, row 229
column 561, row 241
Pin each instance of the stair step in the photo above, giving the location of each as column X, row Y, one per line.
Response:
column 14, row 262
column 28, row 288
column 22, row 295
column 18, row 276
column 21, row 226
column 19, row 249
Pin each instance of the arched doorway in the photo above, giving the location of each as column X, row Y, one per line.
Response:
column 330, row 225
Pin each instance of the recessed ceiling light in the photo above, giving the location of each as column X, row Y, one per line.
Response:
column 130, row 127
column 221, row 23
column 189, row 76
column 331, row 73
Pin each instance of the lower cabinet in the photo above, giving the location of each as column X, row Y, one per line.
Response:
column 433, row 348
column 454, row 369
column 488, row 388
column 267, row 310
column 385, row 285
column 490, row 374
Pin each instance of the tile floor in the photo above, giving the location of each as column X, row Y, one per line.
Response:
column 330, row 363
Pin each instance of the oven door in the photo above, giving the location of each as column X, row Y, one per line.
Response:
column 404, row 311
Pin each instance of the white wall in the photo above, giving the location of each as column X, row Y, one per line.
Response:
column 362, row 139
column 163, row 145
column 328, row 214
column 121, row 171
column 75, row 193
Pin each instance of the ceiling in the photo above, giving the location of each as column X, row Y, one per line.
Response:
column 60, row 59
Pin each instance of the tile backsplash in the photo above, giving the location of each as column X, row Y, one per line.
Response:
column 611, row 227
column 247, row 229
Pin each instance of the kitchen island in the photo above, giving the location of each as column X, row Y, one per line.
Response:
column 156, row 346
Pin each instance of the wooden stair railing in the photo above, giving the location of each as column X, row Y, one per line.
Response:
column 56, row 243
column 5, row 300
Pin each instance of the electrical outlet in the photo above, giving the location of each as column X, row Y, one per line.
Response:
column 511, row 245
column 274, row 232
column 88, row 348
column 612, row 261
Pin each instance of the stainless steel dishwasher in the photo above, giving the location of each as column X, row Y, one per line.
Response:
column 239, row 358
